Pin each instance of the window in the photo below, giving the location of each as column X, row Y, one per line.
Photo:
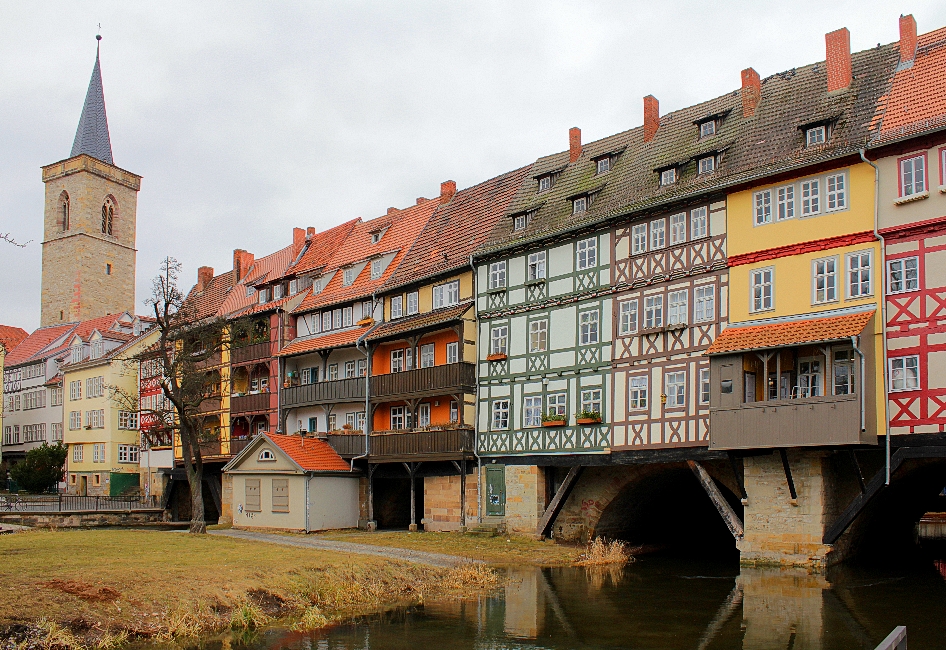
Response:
column 453, row 352
column 555, row 404
column 532, row 412
column 98, row 453
column 639, row 239
column 360, row 420
column 310, row 375
column 603, row 165
column 56, row 432
column 75, row 420
column 704, row 303
column 64, row 211
column 277, row 291
column 519, row 222
column 587, row 253
column 76, row 354
column 347, row 313
column 332, row 371
column 707, row 164
column 545, row 182
column 128, row 420
column 763, row 207
column 538, row 336
column 454, row 411
column 423, row 415
column 397, row 360
column 427, row 355
column 377, row 267
column 447, row 295
column 698, row 223
column 348, row 277
column 668, row 177
column 250, row 291
column 653, row 312
column 707, row 128
column 251, row 496
column 497, row 275
column 280, row 495
column 263, row 296
column 704, row 386
column 396, row 306
column 677, row 308
column 859, row 275
column 676, row 389
column 127, row 453
column 537, row 266
column 108, row 269
column 760, row 283
column 905, row 373
column 398, row 418
column 815, row 135
column 108, row 215
column 94, row 387
column 361, row 367
column 785, row 202
column 824, row 278
column 326, row 320
column 293, row 287
column 349, row 370
column 77, row 452
column 843, row 372
column 332, row 422
column 836, row 192
column 75, row 390
column 95, row 419
column 498, row 336
column 579, row 205
column 810, row 198
column 678, row 228
column 500, row 414
column 657, row 234
column 591, row 400
column 637, row 393
column 376, row 236
column 412, row 303
column 628, row 317
column 903, row 275
column 809, row 377
column 588, row 321
column 913, row 175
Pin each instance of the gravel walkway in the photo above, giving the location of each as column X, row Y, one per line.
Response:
column 407, row 555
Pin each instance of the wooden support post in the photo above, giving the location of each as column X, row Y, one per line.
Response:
column 372, row 524
column 412, row 472
column 561, row 495
column 730, row 518
column 857, row 470
column 788, row 476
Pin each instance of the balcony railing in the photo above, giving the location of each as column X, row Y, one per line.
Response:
column 448, row 379
column 252, row 352
column 341, row 390
column 249, row 403
column 447, row 444
column 238, row 445
column 347, row 445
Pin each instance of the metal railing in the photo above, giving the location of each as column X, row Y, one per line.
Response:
column 73, row 503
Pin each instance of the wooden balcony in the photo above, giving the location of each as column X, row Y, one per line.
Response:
column 253, row 352
column 238, row 445
column 249, row 403
column 347, row 445
column 449, row 379
column 407, row 446
column 324, row 392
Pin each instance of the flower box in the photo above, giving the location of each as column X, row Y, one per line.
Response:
column 499, row 356
column 554, row 423
column 364, row 322
column 588, row 420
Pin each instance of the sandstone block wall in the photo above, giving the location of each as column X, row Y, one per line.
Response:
column 525, row 498
column 442, row 502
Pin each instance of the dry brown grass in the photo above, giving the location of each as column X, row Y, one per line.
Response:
column 102, row 585
column 603, row 552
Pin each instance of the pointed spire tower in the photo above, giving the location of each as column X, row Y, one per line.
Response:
column 92, row 134
column 89, row 224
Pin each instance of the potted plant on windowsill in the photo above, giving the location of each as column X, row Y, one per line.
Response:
column 553, row 419
column 588, row 417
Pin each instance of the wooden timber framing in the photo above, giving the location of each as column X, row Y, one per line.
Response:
column 730, row 518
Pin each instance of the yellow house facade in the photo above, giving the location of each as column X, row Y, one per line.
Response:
column 100, row 413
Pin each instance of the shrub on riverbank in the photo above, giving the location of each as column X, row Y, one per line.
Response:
column 601, row 552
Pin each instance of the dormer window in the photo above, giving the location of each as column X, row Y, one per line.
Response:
column 317, row 285
column 815, row 135
column 293, row 287
column 96, row 350
column 603, row 165
column 377, row 235
column 348, row 278
column 520, row 221
column 76, row 354
column 579, row 204
column 707, row 164
column 707, row 128
column 277, row 291
column 377, row 268
column 263, row 296
column 545, row 182
column 668, row 176
column 250, row 291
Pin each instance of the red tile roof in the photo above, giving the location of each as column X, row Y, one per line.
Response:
column 322, row 247
column 271, row 266
column 799, row 332
column 10, row 337
column 311, row 454
column 420, row 321
column 207, row 303
column 325, row 342
column 36, row 342
column 916, row 101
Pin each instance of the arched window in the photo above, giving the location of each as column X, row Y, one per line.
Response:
column 266, row 454
column 108, row 215
column 64, row 211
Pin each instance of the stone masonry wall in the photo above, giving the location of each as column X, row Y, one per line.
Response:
column 442, row 502
column 525, row 498
column 83, row 519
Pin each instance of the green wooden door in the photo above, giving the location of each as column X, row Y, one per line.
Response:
column 495, row 490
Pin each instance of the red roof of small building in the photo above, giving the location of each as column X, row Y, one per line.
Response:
column 311, row 454
column 325, row 342
column 799, row 332
column 10, row 337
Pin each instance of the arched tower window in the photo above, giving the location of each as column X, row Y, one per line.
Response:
column 64, row 211
column 108, row 215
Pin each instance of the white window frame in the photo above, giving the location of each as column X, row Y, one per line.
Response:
column 824, row 280
column 78, row 451
column 704, row 303
column 762, row 202
column 704, row 395
column 835, row 186
column 497, row 275
column 675, row 388
column 668, row 177
column 603, row 165
column 785, row 202
column 412, row 303
column 347, row 316
column 557, row 404
column 128, row 420
column 707, row 128
column 816, row 135
column 653, row 311
column 913, row 186
column 588, row 326
column 499, row 337
column 536, row 266
column 639, row 239
column 423, row 414
column 377, row 268
column 905, row 280
column 427, row 356
column 397, row 303
column 810, row 197
column 658, row 234
column 75, row 420
column 591, row 400
column 698, row 223
column 532, row 411
column 855, row 285
column 538, row 336
column 453, row 352
column 399, row 418
column 586, row 253
column 678, row 228
column 500, row 419
column 627, row 316
column 348, row 277
column 128, row 453
column 545, row 182
column 398, row 361
column 904, row 365
column 579, row 204
column 520, row 221
column 678, row 307
column 760, row 301
column 706, row 164
column 637, row 392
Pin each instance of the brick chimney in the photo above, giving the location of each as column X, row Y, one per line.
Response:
column 574, row 144
column 242, row 261
column 838, row 50
column 421, row 199
column 907, row 38
column 310, row 232
column 751, row 91
column 298, row 240
column 205, row 275
column 447, row 190
column 651, row 117
column 392, row 210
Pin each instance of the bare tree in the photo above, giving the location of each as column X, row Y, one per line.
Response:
column 7, row 237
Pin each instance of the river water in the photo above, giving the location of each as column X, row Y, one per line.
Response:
column 659, row 603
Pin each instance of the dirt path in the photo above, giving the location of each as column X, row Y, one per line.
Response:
column 407, row 555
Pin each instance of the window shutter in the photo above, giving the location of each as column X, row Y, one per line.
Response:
column 280, row 495
column 252, row 495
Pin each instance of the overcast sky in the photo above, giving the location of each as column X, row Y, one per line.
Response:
column 248, row 118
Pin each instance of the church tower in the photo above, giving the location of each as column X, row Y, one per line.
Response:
column 89, row 223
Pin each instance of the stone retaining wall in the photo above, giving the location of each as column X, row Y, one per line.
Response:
column 87, row 519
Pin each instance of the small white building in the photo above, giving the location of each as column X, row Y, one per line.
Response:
column 294, row 483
